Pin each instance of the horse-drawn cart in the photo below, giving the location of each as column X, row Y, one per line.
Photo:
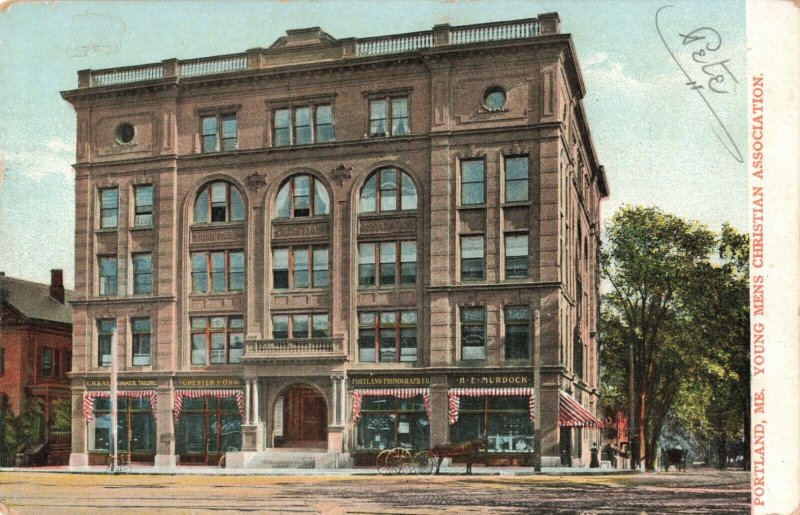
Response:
column 400, row 460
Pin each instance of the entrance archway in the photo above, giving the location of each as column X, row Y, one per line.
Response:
column 305, row 418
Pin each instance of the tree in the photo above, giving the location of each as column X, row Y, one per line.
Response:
column 653, row 262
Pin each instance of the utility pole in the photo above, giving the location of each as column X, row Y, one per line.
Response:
column 537, row 398
column 113, row 386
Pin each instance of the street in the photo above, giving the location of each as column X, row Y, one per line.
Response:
column 697, row 491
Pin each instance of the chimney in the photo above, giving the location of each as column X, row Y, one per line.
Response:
column 57, row 284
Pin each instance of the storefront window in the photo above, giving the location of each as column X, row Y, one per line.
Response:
column 208, row 428
column 504, row 420
column 136, row 427
column 388, row 422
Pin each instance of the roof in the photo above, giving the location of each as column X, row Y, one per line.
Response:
column 33, row 300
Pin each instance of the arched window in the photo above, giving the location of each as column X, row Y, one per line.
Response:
column 300, row 196
column 219, row 201
column 387, row 189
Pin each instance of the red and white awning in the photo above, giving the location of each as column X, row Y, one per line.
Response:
column 454, row 397
column 90, row 396
column 198, row 394
column 572, row 414
column 400, row 393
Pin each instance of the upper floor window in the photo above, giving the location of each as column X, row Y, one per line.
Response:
column 215, row 139
column 108, row 275
column 390, row 336
column 47, row 362
column 109, row 208
column 378, row 263
column 518, row 332
column 140, row 329
column 516, row 256
column 516, row 184
column 142, row 273
column 473, row 263
column 389, row 117
column 300, row 267
column 473, row 182
column 143, row 208
column 302, row 125
column 473, row 333
column 217, row 271
column 219, row 201
column 301, row 325
column 387, row 189
column 105, row 335
column 301, row 196
column 219, row 338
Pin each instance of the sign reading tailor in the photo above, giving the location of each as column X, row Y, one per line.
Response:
column 122, row 383
column 209, row 382
column 492, row 380
column 399, row 381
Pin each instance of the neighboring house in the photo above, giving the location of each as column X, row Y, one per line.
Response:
column 341, row 245
column 35, row 343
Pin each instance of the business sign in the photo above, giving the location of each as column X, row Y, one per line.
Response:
column 388, row 381
column 138, row 383
column 492, row 380
column 209, row 382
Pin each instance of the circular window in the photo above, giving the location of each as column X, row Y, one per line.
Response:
column 124, row 133
column 494, row 99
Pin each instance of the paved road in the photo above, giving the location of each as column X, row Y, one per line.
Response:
column 690, row 492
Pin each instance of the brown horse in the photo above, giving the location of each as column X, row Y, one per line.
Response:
column 469, row 449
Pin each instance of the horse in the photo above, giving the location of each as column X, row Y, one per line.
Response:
column 469, row 449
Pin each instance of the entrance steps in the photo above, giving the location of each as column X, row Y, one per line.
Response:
column 289, row 458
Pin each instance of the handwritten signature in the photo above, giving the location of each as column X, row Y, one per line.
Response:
column 704, row 42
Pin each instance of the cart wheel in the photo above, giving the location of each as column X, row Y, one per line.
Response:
column 398, row 460
column 424, row 463
column 380, row 461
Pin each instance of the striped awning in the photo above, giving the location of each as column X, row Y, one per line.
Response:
column 400, row 393
column 454, row 397
column 572, row 414
column 198, row 394
column 90, row 396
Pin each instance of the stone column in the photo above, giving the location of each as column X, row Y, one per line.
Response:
column 252, row 433
column 439, row 424
column 165, row 426
column 334, row 417
column 247, row 401
column 79, row 457
column 255, row 415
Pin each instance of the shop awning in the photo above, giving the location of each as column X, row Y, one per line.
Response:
column 90, row 396
column 572, row 414
column 454, row 397
column 198, row 394
column 400, row 393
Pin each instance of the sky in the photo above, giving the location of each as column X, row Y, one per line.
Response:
column 659, row 142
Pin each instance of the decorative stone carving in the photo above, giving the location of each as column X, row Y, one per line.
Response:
column 516, row 149
column 341, row 173
column 255, row 181
column 389, row 225
column 215, row 235
column 299, row 230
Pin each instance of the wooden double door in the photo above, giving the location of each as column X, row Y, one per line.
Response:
column 305, row 418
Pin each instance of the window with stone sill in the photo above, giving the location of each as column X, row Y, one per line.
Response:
column 105, row 334
column 518, row 332
column 219, row 202
column 217, row 340
column 389, row 117
column 141, row 341
column 300, row 325
column 301, row 196
column 473, row 258
column 516, row 179
column 387, row 336
column 109, row 208
column 47, row 362
column 473, row 333
column 517, row 258
column 108, row 275
column 300, row 267
column 217, row 271
column 473, row 182
column 142, row 273
column 214, row 139
column 387, row 263
column 143, row 205
column 302, row 125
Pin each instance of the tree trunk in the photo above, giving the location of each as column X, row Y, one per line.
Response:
column 643, row 451
column 722, row 450
column 746, row 450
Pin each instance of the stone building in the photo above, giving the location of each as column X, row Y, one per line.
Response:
column 340, row 245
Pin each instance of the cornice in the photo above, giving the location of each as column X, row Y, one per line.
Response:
column 120, row 301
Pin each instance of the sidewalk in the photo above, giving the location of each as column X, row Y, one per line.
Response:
column 215, row 471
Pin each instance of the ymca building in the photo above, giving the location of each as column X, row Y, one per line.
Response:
column 339, row 245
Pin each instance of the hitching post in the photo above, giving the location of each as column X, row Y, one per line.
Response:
column 537, row 398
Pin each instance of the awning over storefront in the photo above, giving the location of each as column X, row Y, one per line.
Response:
column 197, row 394
column 454, row 397
column 89, row 397
column 400, row 393
column 572, row 414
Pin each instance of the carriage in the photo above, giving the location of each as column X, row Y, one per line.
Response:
column 400, row 460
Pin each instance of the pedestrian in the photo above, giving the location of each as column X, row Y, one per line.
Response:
column 595, row 463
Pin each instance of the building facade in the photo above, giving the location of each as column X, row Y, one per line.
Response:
column 339, row 244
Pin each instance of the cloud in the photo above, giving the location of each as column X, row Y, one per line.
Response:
column 53, row 157
column 602, row 72
column 594, row 59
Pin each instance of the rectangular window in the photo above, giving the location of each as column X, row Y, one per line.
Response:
column 472, row 258
column 219, row 338
column 105, row 334
column 47, row 362
column 109, row 208
column 390, row 336
column 408, row 262
column 140, row 329
column 387, row 422
column 108, row 275
column 389, row 117
column 473, row 333
column 221, row 271
column 300, row 267
column 473, row 182
column 300, row 326
column 504, row 420
column 388, row 270
column 516, row 179
column 516, row 256
column 302, row 125
column 142, row 274
column 518, row 332
column 366, row 264
column 280, row 327
column 213, row 139
column 382, row 259
column 143, row 208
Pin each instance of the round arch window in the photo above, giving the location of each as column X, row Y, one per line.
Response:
column 124, row 133
column 494, row 99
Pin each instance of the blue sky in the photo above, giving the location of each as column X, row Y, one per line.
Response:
column 652, row 132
